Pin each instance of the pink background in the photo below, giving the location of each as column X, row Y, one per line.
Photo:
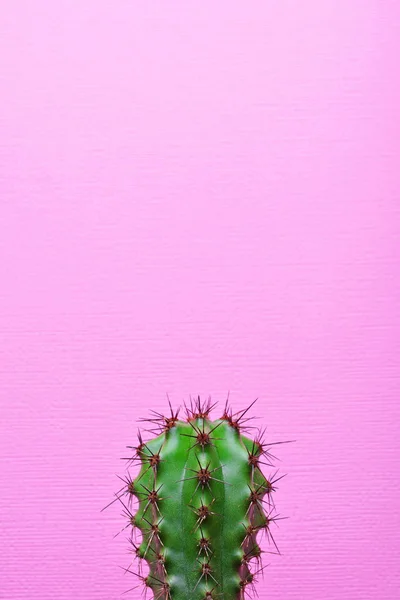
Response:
column 199, row 197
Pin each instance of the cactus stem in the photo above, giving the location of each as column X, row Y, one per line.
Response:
column 145, row 472
column 199, row 538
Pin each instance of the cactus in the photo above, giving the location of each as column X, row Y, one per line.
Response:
column 202, row 500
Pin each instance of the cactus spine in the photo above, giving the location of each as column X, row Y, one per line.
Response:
column 202, row 500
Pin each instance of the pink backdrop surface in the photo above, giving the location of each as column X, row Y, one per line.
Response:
column 199, row 197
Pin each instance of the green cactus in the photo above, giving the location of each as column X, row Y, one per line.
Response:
column 202, row 501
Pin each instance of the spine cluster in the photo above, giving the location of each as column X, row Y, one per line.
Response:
column 201, row 502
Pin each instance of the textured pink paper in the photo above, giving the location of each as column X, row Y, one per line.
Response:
column 199, row 197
